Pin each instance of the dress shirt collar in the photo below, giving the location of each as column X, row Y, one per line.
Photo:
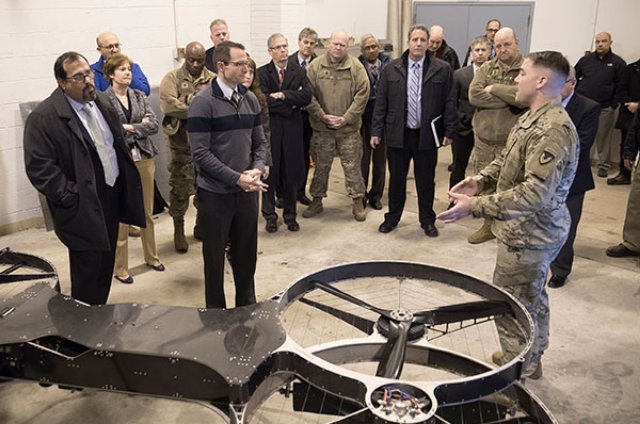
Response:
column 419, row 62
column 566, row 100
column 226, row 90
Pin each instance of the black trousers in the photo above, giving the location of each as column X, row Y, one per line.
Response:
column 563, row 263
column 377, row 159
column 623, row 171
column 307, row 132
column 92, row 270
column 229, row 218
column 461, row 151
column 287, row 192
column 424, row 169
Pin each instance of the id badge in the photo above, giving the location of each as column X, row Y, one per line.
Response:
column 135, row 153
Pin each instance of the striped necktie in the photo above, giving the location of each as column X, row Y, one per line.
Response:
column 110, row 174
column 413, row 120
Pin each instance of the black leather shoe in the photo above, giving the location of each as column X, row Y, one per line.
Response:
column 128, row 280
column 272, row 225
column 375, row 204
column 430, row 230
column 292, row 225
column 621, row 251
column 279, row 203
column 158, row 267
column 619, row 180
column 304, row 200
column 556, row 281
column 387, row 226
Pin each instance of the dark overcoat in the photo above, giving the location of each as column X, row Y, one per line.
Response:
column 57, row 162
column 285, row 119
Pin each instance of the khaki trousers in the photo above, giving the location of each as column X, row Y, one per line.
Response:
column 146, row 169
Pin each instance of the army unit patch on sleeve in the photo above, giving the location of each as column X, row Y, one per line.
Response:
column 546, row 157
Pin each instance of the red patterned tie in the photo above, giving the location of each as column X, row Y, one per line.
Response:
column 281, row 77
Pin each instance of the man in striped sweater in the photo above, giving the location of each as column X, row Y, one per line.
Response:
column 230, row 149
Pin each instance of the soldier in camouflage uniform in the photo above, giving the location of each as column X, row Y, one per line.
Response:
column 340, row 86
column 493, row 92
column 524, row 191
column 177, row 89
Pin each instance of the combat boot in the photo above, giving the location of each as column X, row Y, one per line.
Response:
column 197, row 229
column 358, row 209
column 483, row 234
column 314, row 208
column 179, row 239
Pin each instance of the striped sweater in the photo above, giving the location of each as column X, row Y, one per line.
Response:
column 225, row 140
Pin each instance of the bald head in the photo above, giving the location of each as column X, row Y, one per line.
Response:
column 338, row 44
column 506, row 44
column 194, row 56
column 108, row 44
column 603, row 43
column 436, row 37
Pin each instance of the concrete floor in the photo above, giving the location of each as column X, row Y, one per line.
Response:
column 588, row 370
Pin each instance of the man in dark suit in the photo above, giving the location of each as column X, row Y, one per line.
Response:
column 584, row 114
column 416, row 113
column 307, row 42
column 75, row 155
column 463, row 141
column 219, row 33
column 287, row 90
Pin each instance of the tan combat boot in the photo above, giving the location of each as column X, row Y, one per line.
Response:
column 179, row 239
column 483, row 234
column 358, row 209
column 314, row 208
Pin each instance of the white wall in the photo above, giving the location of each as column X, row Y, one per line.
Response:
column 35, row 32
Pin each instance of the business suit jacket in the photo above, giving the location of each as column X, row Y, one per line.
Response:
column 390, row 113
column 285, row 119
column 584, row 114
column 139, row 107
column 461, row 80
column 58, row 164
column 293, row 59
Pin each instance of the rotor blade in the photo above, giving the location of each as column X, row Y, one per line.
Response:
column 394, row 351
column 349, row 298
column 360, row 323
column 462, row 312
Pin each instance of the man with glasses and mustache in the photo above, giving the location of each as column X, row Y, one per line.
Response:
column 230, row 150
column 108, row 45
column 76, row 156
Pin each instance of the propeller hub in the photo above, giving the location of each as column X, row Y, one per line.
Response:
column 402, row 315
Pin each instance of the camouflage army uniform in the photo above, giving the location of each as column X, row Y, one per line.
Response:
column 341, row 90
column 524, row 191
column 496, row 112
column 177, row 89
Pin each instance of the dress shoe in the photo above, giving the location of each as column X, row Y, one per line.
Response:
column 621, row 251
column 272, row 225
column 556, row 281
column 603, row 172
column 279, row 203
column 158, row 267
column 619, row 180
column 304, row 200
column 375, row 204
column 124, row 280
column 292, row 225
column 430, row 230
column 387, row 226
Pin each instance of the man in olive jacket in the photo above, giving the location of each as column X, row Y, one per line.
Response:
column 75, row 155
column 414, row 120
column 340, row 88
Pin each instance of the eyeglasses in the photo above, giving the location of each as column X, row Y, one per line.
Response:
column 239, row 64
column 81, row 77
column 280, row 47
column 115, row 46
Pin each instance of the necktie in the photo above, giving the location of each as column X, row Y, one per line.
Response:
column 101, row 146
column 304, row 64
column 235, row 99
column 374, row 77
column 413, row 98
column 281, row 77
